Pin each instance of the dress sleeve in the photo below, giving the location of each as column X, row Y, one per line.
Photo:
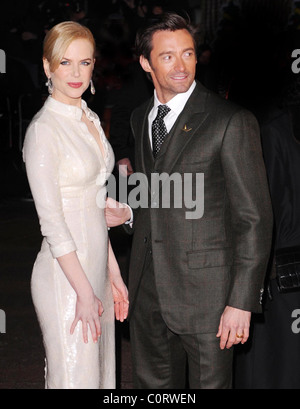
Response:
column 41, row 157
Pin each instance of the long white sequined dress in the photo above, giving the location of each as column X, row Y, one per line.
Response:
column 67, row 174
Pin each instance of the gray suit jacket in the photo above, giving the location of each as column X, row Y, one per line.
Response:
column 203, row 264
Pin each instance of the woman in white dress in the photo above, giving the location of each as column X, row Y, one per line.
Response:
column 77, row 287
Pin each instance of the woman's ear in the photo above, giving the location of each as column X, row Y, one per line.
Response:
column 46, row 66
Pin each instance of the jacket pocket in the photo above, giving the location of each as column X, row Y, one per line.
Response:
column 208, row 279
column 209, row 258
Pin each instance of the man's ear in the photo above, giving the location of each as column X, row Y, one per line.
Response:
column 145, row 64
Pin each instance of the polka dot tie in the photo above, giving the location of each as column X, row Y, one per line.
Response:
column 159, row 130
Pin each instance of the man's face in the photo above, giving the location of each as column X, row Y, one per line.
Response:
column 172, row 63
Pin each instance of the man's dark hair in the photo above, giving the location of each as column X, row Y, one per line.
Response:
column 165, row 22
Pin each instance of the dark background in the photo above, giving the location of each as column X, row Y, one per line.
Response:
column 244, row 55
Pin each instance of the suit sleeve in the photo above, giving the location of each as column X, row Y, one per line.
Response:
column 250, row 209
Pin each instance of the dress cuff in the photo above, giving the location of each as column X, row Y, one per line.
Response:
column 63, row 248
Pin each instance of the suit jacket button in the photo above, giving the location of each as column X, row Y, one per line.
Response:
column 145, row 239
column 261, row 293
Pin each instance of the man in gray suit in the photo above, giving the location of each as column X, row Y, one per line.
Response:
column 194, row 278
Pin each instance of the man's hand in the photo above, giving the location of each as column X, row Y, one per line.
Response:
column 234, row 327
column 125, row 167
column 116, row 213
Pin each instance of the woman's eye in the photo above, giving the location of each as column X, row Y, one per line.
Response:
column 85, row 63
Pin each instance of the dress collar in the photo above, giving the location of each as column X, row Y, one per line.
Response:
column 70, row 110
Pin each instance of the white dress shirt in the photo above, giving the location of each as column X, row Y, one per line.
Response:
column 176, row 105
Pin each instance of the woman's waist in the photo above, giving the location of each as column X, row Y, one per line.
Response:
column 80, row 199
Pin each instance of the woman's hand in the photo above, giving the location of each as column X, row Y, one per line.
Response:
column 119, row 289
column 88, row 307
column 88, row 310
column 120, row 296
column 116, row 213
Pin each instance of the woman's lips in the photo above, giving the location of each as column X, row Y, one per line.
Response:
column 75, row 84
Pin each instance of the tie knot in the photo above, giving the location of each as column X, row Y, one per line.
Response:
column 163, row 110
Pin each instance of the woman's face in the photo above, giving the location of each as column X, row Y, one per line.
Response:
column 74, row 73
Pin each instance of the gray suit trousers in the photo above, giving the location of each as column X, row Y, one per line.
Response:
column 165, row 360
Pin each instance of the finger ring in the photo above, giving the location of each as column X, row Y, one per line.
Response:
column 239, row 336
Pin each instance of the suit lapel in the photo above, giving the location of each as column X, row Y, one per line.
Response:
column 188, row 123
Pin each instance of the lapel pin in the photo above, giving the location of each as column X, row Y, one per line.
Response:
column 186, row 129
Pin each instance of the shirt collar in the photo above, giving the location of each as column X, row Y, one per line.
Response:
column 178, row 102
column 70, row 110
